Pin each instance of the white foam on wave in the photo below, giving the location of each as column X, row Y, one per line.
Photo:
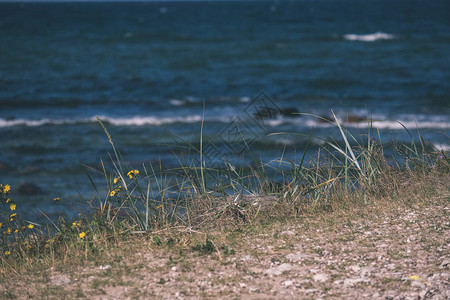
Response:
column 244, row 99
column 142, row 121
column 275, row 122
column 409, row 122
column 42, row 122
column 372, row 37
column 177, row 102
column 442, row 147
column 221, row 99
column 380, row 124
column 131, row 121
column 400, row 125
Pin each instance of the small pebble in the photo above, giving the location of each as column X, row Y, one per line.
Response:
column 105, row 267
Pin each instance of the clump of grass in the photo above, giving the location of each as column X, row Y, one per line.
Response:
column 353, row 171
column 198, row 196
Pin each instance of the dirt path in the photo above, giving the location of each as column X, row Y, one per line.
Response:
column 399, row 253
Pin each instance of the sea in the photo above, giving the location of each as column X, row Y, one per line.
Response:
column 251, row 80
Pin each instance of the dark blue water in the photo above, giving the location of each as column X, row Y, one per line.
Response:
column 147, row 69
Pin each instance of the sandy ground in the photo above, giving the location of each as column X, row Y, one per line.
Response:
column 396, row 253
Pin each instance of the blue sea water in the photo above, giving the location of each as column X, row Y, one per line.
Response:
column 149, row 69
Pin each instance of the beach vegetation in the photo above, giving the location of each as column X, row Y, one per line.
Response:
column 179, row 207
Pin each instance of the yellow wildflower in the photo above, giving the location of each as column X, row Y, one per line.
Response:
column 56, row 199
column 8, row 200
column 12, row 206
column 112, row 193
column 30, row 226
column 82, row 234
column 115, row 180
column 6, row 189
column 132, row 173
column 12, row 217
column 76, row 223
column 7, row 253
column 8, row 231
column 16, row 231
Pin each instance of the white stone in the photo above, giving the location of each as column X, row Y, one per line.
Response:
column 353, row 281
column 418, row 284
column 105, row 267
column 296, row 257
column 320, row 277
column 288, row 283
column 278, row 270
column 288, row 232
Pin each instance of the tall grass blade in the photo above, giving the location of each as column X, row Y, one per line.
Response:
column 347, row 144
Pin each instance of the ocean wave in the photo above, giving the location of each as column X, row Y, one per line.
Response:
column 409, row 122
column 372, row 37
column 375, row 123
column 178, row 102
column 42, row 122
column 155, row 121
column 399, row 125
column 190, row 101
column 131, row 121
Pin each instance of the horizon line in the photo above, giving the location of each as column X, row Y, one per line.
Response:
column 89, row 1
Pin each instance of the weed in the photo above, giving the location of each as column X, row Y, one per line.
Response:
column 227, row 251
column 205, row 248
column 157, row 240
